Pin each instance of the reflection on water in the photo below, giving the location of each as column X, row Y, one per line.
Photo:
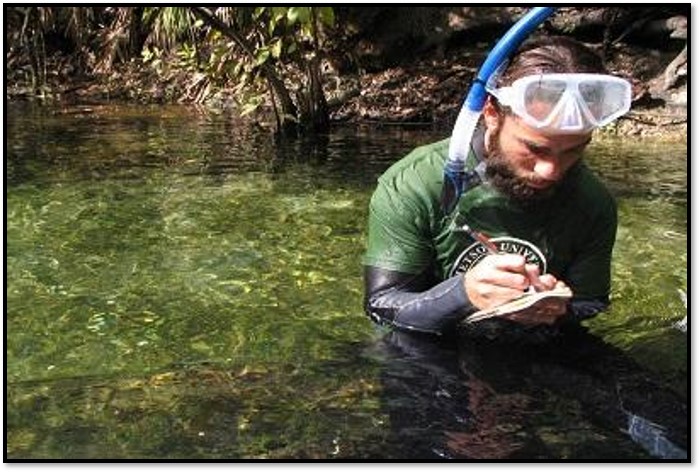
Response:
column 577, row 397
column 181, row 286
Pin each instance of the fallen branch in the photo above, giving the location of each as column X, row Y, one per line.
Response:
column 652, row 123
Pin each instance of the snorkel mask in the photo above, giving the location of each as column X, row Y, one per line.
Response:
column 566, row 103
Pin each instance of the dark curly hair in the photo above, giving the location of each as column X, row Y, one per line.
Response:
column 551, row 55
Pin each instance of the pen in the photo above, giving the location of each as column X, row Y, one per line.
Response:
column 482, row 238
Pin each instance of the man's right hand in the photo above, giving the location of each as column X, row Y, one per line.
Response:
column 499, row 278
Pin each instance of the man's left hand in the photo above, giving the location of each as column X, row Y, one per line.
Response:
column 546, row 311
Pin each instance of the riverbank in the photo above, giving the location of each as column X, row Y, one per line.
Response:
column 432, row 90
column 428, row 91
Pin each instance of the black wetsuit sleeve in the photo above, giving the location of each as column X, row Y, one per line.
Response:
column 415, row 302
column 580, row 309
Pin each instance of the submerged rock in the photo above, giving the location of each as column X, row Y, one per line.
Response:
column 682, row 324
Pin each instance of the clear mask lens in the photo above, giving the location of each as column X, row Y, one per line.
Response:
column 604, row 99
column 541, row 98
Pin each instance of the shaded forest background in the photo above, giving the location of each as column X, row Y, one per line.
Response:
column 304, row 68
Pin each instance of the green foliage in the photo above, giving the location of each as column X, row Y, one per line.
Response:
column 286, row 39
column 188, row 59
column 171, row 25
column 153, row 57
column 280, row 48
column 252, row 104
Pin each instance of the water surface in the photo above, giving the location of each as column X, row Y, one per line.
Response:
column 180, row 285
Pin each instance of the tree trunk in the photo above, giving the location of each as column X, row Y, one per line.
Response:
column 289, row 110
column 34, row 37
column 138, row 32
column 317, row 106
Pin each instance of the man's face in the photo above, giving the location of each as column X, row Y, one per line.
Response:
column 527, row 164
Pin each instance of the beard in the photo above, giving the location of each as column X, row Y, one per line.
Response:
column 501, row 174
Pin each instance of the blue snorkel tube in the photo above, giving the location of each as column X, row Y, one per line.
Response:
column 456, row 180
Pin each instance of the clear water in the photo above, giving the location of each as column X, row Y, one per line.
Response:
column 181, row 286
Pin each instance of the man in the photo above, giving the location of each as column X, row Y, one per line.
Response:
column 552, row 220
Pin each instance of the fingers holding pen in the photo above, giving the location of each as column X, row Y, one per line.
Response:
column 506, row 270
column 539, row 282
column 496, row 279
